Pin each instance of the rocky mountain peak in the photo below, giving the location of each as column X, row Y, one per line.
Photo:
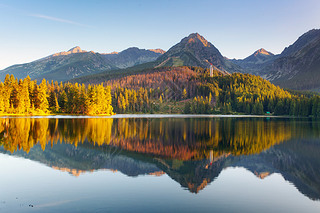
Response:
column 196, row 38
column 112, row 53
column 195, row 50
column 76, row 49
column 73, row 50
column 262, row 51
column 161, row 51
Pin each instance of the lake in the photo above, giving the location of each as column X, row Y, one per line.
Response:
column 140, row 163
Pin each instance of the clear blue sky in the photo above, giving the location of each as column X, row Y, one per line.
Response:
column 33, row 29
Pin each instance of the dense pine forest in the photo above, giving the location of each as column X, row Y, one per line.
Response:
column 191, row 90
column 160, row 90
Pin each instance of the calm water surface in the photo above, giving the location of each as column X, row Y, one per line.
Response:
column 161, row 164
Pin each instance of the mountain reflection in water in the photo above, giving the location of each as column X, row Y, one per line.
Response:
column 192, row 151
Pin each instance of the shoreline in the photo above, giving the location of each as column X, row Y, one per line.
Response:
column 148, row 116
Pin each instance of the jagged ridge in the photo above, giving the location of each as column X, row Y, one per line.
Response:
column 76, row 62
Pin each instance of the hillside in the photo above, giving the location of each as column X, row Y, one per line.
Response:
column 158, row 90
column 76, row 62
column 255, row 62
column 133, row 56
column 195, row 50
column 241, row 93
column 298, row 66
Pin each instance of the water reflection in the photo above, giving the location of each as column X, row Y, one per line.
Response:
column 193, row 152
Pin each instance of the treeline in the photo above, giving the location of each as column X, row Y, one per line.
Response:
column 27, row 97
column 187, row 90
column 251, row 94
column 201, row 94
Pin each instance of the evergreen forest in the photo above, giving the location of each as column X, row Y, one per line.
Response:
column 188, row 90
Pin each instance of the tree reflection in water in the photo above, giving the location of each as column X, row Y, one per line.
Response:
column 192, row 151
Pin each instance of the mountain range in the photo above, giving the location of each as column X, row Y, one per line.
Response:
column 76, row 62
column 297, row 67
column 253, row 63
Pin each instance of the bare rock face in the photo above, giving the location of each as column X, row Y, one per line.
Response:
column 195, row 50
column 298, row 66
column 161, row 51
column 76, row 49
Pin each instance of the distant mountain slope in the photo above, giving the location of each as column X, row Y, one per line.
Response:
column 133, row 56
column 259, row 56
column 298, row 66
column 76, row 62
column 255, row 62
column 195, row 50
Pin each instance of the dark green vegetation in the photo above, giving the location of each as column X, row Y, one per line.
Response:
column 166, row 85
column 161, row 90
column 199, row 93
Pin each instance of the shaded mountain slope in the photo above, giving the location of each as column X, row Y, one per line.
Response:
column 298, row 66
column 76, row 62
column 255, row 62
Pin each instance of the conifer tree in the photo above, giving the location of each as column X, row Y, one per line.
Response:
column 62, row 101
column 42, row 96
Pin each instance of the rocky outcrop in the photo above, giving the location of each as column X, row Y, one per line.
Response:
column 161, row 51
column 76, row 49
column 195, row 50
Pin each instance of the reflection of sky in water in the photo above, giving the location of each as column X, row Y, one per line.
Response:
column 25, row 182
column 288, row 149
